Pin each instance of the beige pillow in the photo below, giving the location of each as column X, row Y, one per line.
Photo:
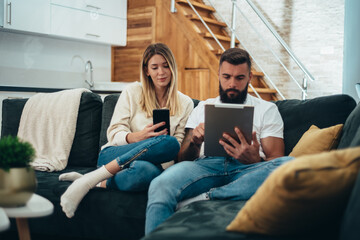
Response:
column 301, row 195
column 316, row 140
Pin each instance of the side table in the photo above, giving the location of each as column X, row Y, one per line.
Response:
column 37, row 206
column 4, row 220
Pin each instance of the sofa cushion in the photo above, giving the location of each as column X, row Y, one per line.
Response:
column 351, row 221
column 102, row 214
column 316, row 140
column 303, row 195
column 84, row 151
column 299, row 115
column 11, row 114
column 108, row 110
column 85, row 148
column 207, row 220
column 351, row 130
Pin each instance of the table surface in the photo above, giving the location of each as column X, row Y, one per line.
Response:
column 4, row 220
column 37, row 206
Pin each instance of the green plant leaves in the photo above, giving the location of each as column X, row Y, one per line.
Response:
column 15, row 153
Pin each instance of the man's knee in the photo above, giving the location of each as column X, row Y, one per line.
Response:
column 167, row 184
column 281, row 160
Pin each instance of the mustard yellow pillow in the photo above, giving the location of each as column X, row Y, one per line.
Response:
column 304, row 194
column 316, row 140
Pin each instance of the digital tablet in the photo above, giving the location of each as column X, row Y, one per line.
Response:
column 222, row 118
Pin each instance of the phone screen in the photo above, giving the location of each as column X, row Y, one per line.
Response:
column 162, row 115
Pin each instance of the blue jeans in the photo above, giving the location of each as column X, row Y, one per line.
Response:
column 221, row 178
column 140, row 161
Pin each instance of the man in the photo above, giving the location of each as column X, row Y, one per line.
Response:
column 236, row 177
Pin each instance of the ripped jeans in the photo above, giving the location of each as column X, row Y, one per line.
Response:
column 141, row 161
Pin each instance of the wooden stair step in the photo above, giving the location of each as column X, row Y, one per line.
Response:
column 219, row 37
column 263, row 90
column 257, row 74
column 197, row 5
column 217, row 51
column 207, row 20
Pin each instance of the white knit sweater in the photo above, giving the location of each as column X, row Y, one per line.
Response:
column 129, row 117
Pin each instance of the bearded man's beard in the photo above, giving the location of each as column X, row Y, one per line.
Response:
column 237, row 97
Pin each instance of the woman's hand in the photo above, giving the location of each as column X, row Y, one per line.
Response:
column 147, row 132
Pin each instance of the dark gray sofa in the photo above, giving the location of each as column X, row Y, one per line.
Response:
column 109, row 214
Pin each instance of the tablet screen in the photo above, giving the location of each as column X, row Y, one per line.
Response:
column 222, row 118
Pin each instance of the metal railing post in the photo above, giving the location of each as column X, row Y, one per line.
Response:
column 233, row 20
column 172, row 6
column 304, row 85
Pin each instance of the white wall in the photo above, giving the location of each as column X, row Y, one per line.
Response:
column 351, row 48
column 313, row 29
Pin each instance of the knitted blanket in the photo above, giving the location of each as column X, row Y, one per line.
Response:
column 48, row 122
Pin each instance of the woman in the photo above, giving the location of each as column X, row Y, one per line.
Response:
column 135, row 151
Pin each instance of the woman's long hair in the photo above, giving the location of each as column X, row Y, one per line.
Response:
column 148, row 100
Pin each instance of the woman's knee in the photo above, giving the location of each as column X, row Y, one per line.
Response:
column 137, row 177
column 170, row 142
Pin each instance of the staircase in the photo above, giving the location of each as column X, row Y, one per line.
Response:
column 196, row 52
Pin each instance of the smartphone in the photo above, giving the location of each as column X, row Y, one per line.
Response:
column 162, row 115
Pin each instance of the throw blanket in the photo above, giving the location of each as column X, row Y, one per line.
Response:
column 48, row 122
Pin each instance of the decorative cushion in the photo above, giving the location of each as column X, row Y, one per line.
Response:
column 303, row 195
column 299, row 115
column 316, row 140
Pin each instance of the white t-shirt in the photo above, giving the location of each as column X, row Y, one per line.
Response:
column 267, row 119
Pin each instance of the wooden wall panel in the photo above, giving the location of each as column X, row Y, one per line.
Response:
column 140, row 33
column 140, row 3
column 150, row 21
column 140, row 26
column 189, row 50
column 195, row 83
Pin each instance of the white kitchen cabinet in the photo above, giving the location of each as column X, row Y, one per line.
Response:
column 98, row 21
column 24, row 15
column 114, row 8
column 90, row 20
column 89, row 26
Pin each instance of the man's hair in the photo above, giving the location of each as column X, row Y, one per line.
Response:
column 236, row 56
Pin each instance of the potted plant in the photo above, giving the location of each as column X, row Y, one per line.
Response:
column 17, row 177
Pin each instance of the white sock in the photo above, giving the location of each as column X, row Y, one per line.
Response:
column 71, row 176
column 80, row 187
column 201, row 197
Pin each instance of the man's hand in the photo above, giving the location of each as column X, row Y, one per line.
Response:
column 243, row 152
column 147, row 132
column 198, row 135
column 190, row 147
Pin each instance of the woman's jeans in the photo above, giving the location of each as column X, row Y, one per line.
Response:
column 140, row 161
column 222, row 178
